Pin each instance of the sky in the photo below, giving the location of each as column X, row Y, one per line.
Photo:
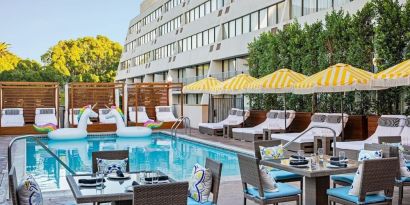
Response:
column 31, row 27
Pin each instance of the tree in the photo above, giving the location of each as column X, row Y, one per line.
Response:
column 8, row 60
column 85, row 59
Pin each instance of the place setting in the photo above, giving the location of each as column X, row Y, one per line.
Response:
column 147, row 178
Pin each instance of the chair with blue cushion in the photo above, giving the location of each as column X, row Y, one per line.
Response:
column 375, row 177
column 216, row 170
column 253, row 188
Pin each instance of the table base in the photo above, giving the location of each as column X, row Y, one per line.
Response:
column 315, row 190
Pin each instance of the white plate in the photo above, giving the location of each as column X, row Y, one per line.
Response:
column 114, row 176
column 301, row 166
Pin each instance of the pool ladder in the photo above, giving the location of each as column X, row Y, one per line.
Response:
column 186, row 122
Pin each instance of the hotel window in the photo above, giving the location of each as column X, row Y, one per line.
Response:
column 283, row 13
column 207, row 7
column 200, row 40
column 263, row 18
column 296, row 8
column 201, row 10
column 189, row 43
column 194, row 42
column 205, row 37
column 231, row 29
column 220, row 4
column 213, row 5
column 211, row 35
column 254, row 21
column 246, row 24
column 272, row 18
column 339, row 3
column 196, row 13
column 225, row 31
column 309, row 6
column 238, row 26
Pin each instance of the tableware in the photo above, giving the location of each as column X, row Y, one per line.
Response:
column 301, row 154
column 320, row 153
column 100, row 179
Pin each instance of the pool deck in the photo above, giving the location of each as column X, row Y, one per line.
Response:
column 230, row 190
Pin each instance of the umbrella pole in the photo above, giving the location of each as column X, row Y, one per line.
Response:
column 342, row 109
column 284, row 105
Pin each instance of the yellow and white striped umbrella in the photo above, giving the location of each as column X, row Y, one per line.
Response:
column 235, row 85
column 336, row 78
column 280, row 81
column 397, row 75
column 202, row 86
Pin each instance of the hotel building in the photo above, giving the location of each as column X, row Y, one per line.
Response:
column 187, row 40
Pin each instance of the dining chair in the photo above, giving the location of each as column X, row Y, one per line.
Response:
column 110, row 155
column 13, row 185
column 250, row 175
column 216, row 170
column 374, row 177
column 174, row 193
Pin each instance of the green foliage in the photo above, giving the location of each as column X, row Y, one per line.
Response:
column 85, row 59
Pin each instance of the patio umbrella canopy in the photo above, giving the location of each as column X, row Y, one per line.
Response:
column 398, row 75
column 202, row 86
column 280, row 81
column 235, row 85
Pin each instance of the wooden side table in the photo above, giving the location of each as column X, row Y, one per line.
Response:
column 325, row 143
column 268, row 132
column 227, row 130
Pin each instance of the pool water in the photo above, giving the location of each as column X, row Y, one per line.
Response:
column 174, row 156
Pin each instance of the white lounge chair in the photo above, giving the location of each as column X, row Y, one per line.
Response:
column 216, row 127
column 330, row 120
column 405, row 133
column 164, row 114
column 12, row 117
column 142, row 114
column 388, row 125
column 101, row 116
column 275, row 119
column 76, row 112
column 45, row 116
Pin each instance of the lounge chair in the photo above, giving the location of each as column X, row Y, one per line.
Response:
column 76, row 112
column 142, row 114
column 235, row 117
column 388, row 125
column 45, row 116
column 275, row 119
column 101, row 116
column 306, row 142
column 164, row 114
column 12, row 117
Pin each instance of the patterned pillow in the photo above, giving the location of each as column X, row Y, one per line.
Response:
column 111, row 166
column 368, row 154
column 164, row 109
column 46, row 111
column 272, row 115
column 29, row 192
column 389, row 122
column 404, row 171
column 200, row 184
column 281, row 115
column 232, row 112
column 334, row 119
column 275, row 152
column 140, row 109
column 318, row 118
column 239, row 113
column 268, row 183
column 12, row 112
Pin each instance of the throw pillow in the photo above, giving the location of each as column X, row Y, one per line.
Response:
column 111, row 166
column 275, row 152
column 200, row 184
column 404, row 171
column 29, row 192
column 268, row 183
column 368, row 154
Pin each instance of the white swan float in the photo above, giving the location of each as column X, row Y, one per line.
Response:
column 122, row 130
column 75, row 133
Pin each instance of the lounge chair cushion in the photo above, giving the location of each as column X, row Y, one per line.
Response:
column 278, row 175
column 347, row 178
column 281, row 115
column 275, row 152
column 164, row 114
column 45, row 116
column 200, row 184
column 214, row 126
column 248, row 130
column 405, row 179
column 101, row 116
column 12, row 117
column 356, row 145
column 318, row 118
column 283, row 191
column 272, row 115
column 334, row 119
column 343, row 193
column 192, row 201
column 111, row 166
column 29, row 192
column 389, row 122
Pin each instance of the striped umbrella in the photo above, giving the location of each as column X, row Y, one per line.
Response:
column 336, row 78
column 280, row 81
column 202, row 86
column 398, row 75
column 236, row 85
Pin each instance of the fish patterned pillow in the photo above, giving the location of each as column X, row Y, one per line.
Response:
column 111, row 166
column 368, row 154
column 200, row 184
column 275, row 152
column 29, row 192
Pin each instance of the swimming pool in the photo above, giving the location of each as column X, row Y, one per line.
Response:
column 174, row 156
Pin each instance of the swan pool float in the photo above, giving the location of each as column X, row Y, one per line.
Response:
column 75, row 133
column 122, row 130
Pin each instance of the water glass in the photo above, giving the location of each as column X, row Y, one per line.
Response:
column 141, row 176
column 342, row 156
column 301, row 154
column 100, row 179
column 320, row 153
column 313, row 161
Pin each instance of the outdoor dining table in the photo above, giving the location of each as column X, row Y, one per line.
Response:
column 114, row 190
column 316, row 180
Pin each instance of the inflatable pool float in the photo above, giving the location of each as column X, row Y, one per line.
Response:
column 75, row 133
column 152, row 124
column 122, row 130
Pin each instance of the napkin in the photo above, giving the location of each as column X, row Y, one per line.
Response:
column 89, row 181
column 298, row 162
column 160, row 178
column 337, row 163
column 119, row 173
column 297, row 157
column 134, row 183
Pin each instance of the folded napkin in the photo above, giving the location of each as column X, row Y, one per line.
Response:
column 134, row 183
column 160, row 178
column 89, row 181
column 298, row 162
column 297, row 157
column 336, row 159
column 338, row 163
column 119, row 173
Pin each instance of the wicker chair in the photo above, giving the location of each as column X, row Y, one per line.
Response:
column 216, row 169
column 111, row 155
column 250, row 175
column 159, row 194
column 13, row 185
column 278, row 175
column 375, row 177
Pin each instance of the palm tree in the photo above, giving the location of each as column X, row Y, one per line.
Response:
column 4, row 49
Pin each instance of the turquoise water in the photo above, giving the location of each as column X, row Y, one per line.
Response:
column 176, row 157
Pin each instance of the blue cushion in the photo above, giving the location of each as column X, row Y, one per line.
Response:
column 343, row 193
column 191, row 201
column 408, row 164
column 405, row 179
column 284, row 190
column 281, row 175
column 347, row 178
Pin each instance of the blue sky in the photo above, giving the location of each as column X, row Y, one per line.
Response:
column 33, row 26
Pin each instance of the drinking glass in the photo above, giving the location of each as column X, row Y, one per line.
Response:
column 313, row 161
column 100, row 179
column 141, row 176
column 320, row 153
column 342, row 157
column 301, row 154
